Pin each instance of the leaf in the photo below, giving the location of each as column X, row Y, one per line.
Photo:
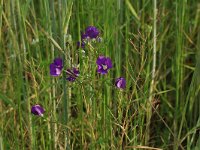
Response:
column 132, row 10
column 6, row 100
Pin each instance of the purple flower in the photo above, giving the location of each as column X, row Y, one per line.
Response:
column 104, row 63
column 58, row 62
column 37, row 110
column 90, row 32
column 84, row 36
column 120, row 83
column 72, row 74
column 81, row 44
column 56, row 67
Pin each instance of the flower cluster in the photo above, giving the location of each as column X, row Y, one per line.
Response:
column 104, row 64
column 72, row 74
column 90, row 33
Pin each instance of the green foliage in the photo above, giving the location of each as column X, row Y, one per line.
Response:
column 91, row 113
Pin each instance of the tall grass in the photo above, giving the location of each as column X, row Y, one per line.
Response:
column 154, row 45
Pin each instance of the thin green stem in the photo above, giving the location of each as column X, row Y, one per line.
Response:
column 152, row 85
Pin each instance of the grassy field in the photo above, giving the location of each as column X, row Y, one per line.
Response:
column 154, row 45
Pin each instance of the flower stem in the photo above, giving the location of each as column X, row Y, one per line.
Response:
column 152, row 85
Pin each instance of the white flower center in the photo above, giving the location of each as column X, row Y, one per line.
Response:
column 105, row 67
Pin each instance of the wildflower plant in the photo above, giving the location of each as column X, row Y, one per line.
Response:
column 91, row 76
column 99, row 75
column 103, row 65
column 90, row 33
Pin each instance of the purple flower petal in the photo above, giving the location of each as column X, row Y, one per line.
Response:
column 84, row 36
column 81, row 44
column 58, row 62
column 54, row 70
column 108, row 62
column 37, row 110
column 71, row 79
column 101, row 60
column 72, row 74
column 76, row 71
column 92, row 32
column 56, row 67
column 101, row 70
column 120, row 83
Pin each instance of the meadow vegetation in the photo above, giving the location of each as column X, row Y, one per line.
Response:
column 153, row 45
